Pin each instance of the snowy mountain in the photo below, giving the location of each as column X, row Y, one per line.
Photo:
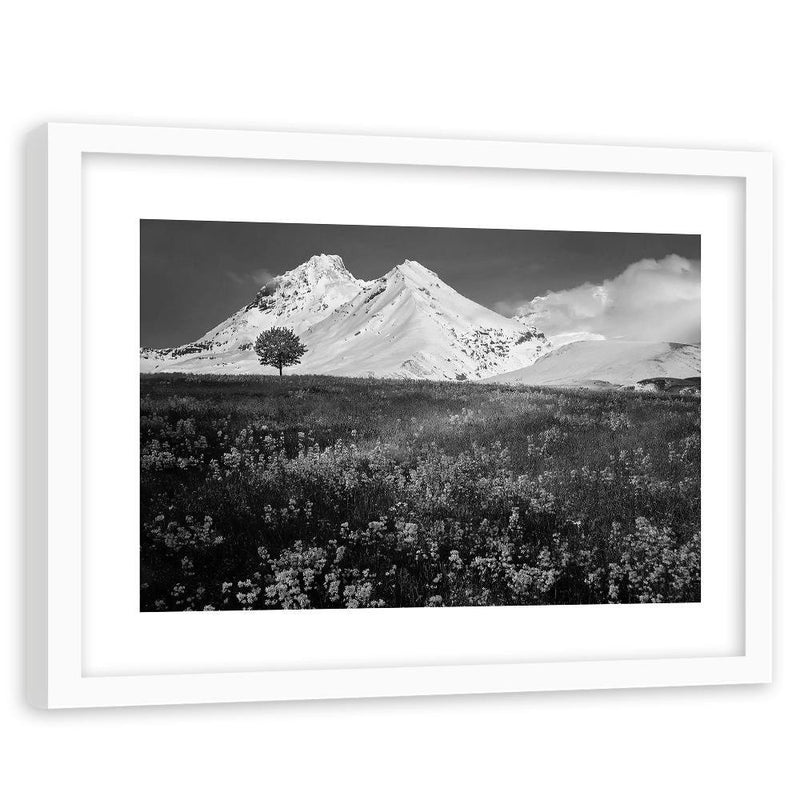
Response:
column 560, row 339
column 409, row 323
column 296, row 300
column 608, row 361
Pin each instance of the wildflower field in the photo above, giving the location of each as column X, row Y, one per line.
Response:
column 260, row 492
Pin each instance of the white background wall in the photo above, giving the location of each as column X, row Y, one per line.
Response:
column 679, row 73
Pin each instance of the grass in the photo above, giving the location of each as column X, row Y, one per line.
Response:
column 316, row 492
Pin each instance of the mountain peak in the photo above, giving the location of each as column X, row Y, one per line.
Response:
column 320, row 266
column 414, row 272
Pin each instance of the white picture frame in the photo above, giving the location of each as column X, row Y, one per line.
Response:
column 56, row 397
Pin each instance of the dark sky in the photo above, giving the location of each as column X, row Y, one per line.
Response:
column 196, row 274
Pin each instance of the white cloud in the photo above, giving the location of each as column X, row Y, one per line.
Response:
column 649, row 301
column 260, row 277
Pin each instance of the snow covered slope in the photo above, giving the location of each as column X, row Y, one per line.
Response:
column 608, row 361
column 560, row 339
column 532, row 318
column 411, row 324
column 408, row 323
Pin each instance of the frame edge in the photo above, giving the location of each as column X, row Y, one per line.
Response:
column 36, row 325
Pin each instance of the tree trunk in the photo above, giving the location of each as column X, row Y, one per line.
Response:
column 280, row 369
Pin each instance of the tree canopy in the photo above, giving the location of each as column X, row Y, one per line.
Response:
column 279, row 348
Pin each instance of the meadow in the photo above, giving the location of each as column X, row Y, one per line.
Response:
column 260, row 492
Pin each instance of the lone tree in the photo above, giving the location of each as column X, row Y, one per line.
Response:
column 279, row 348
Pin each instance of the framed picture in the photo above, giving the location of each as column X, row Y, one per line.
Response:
column 393, row 416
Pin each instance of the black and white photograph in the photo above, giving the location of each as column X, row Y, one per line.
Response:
column 344, row 417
